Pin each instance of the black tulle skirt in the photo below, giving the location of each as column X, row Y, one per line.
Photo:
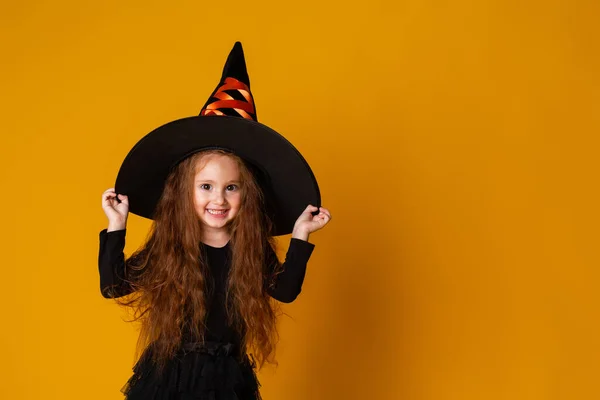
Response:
column 213, row 371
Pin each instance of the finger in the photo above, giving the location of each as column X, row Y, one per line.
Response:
column 124, row 199
column 106, row 198
column 108, row 193
column 319, row 217
column 310, row 209
column 324, row 218
column 325, row 214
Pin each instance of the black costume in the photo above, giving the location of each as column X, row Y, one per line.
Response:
column 213, row 371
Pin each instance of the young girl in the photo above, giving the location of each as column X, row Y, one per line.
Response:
column 205, row 284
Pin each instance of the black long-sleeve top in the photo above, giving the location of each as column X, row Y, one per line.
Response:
column 288, row 284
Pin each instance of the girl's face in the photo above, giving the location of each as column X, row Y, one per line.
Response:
column 217, row 192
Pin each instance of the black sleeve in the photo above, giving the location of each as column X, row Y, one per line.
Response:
column 288, row 278
column 111, row 264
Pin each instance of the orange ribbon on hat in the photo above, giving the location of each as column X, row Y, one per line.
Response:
column 244, row 108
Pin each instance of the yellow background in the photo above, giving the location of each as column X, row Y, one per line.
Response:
column 455, row 143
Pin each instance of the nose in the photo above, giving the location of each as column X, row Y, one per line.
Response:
column 219, row 197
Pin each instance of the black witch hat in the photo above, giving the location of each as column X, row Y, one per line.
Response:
column 228, row 122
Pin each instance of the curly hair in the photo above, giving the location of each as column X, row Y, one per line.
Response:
column 168, row 272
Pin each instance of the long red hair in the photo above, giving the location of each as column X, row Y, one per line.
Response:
column 169, row 271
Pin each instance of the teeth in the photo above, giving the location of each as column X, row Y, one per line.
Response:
column 216, row 212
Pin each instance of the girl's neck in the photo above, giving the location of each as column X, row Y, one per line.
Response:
column 216, row 238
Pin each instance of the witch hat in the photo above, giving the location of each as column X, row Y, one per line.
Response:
column 227, row 121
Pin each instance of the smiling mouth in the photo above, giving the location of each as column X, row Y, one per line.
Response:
column 217, row 212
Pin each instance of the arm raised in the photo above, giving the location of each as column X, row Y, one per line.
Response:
column 287, row 278
column 111, row 264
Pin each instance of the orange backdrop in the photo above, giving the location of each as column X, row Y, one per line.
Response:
column 455, row 143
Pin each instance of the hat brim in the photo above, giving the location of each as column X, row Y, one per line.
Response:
column 285, row 177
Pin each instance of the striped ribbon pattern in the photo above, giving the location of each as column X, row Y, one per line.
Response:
column 243, row 108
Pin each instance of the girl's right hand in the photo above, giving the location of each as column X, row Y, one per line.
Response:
column 115, row 212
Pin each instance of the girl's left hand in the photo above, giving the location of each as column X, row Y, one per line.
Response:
column 308, row 223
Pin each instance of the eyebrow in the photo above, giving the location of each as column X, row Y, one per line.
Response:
column 211, row 181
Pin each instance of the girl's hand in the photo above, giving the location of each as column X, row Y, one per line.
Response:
column 115, row 212
column 308, row 223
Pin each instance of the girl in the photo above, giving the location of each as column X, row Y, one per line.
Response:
column 205, row 284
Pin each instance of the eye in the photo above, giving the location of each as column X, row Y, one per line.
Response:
column 232, row 187
column 205, row 186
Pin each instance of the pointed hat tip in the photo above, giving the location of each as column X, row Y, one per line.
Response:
column 237, row 50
